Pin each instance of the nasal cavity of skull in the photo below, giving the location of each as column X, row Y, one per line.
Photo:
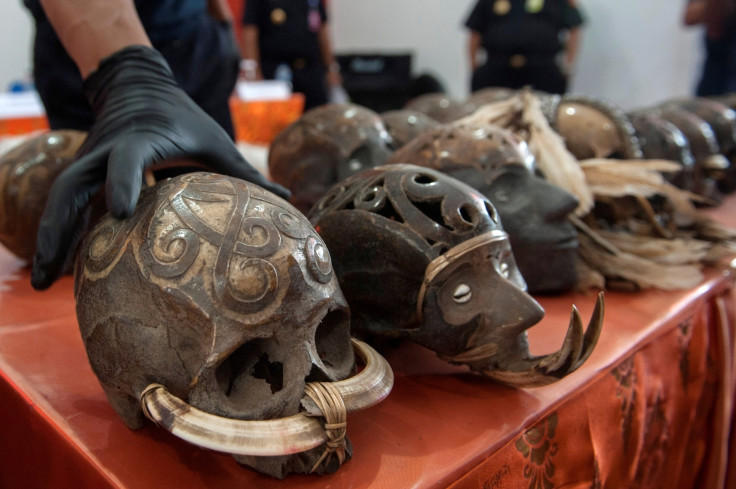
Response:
column 248, row 364
column 332, row 340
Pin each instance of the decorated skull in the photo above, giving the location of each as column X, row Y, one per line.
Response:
column 722, row 120
column 439, row 106
column 593, row 128
column 533, row 211
column 326, row 145
column 710, row 165
column 661, row 139
column 26, row 175
column 488, row 95
column 421, row 255
column 211, row 311
column 404, row 125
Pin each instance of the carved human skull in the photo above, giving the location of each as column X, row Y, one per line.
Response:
column 722, row 121
column 439, row 106
column 26, row 175
column 593, row 128
column 660, row 139
column 421, row 255
column 710, row 165
column 326, row 145
column 533, row 211
column 404, row 125
column 223, row 294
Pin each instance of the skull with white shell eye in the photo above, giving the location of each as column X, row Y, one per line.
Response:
column 325, row 145
column 421, row 255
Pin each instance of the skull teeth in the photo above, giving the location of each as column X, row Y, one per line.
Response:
column 282, row 436
column 575, row 350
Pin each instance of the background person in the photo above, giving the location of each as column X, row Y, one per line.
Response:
column 523, row 41
column 718, row 76
column 141, row 116
column 292, row 34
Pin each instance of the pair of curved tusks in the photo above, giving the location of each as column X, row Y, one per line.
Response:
column 283, row 436
column 576, row 348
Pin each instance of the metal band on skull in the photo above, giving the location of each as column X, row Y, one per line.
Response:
column 327, row 144
column 26, row 175
column 423, row 256
column 533, row 211
column 210, row 311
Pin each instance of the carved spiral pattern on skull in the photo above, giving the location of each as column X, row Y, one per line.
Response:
column 200, row 210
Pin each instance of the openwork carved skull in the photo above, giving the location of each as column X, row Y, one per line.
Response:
column 327, row 144
column 423, row 256
column 593, row 128
column 404, row 125
column 533, row 211
column 26, row 175
column 212, row 309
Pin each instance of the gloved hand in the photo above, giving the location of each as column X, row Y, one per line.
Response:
column 141, row 118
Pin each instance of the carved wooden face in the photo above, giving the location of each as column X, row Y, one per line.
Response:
column 421, row 255
column 533, row 211
column 216, row 289
column 326, row 145
column 26, row 175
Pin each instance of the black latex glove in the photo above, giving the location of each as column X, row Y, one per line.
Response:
column 141, row 118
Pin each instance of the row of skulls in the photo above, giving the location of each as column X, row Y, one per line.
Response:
column 217, row 305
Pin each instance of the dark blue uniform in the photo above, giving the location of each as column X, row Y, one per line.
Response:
column 200, row 50
column 288, row 34
column 522, row 42
column 719, row 68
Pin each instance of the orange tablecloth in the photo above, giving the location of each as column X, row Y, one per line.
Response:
column 650, row 408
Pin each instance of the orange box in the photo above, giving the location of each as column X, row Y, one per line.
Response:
column 23, row 125
column 258, row 122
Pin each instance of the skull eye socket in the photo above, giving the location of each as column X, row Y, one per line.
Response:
column 332, row 340
column 462, row 294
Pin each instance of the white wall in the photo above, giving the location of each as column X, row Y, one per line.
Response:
column 634, row 52
column 15, row 41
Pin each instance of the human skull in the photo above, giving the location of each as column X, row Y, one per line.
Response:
column 533, row 211
column 710, row 165
column 421, row 255
column 661, row 139
column 327, row 144
column 26, row 175
column 722, row 120
column 439, row 106
column 224, row 295
column 593, row 128
column 404, row 125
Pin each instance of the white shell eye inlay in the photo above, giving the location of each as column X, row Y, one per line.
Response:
column 462, row 294
column 503, row 269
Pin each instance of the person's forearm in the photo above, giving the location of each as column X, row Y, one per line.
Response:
column 220, row 10
column 572, row 47
column 473, row 47
column 695, row 12
column 91, row 30
column 325, row 46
